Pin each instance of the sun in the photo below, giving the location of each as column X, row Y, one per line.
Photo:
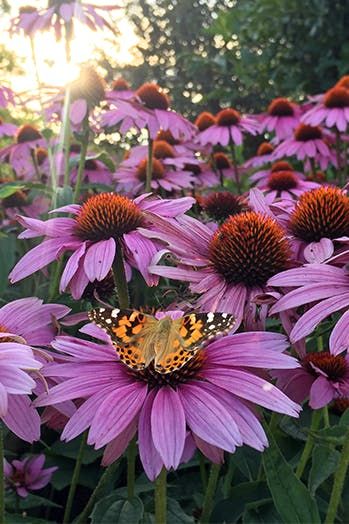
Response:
column 52, row 69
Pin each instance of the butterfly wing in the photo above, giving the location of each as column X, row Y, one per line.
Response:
column 190, row 334
column 127, row 329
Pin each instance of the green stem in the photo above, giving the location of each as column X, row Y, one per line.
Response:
column 54, row 285
column 313, row 167
column 326, row 417
column 2, row 479
column 203, row 472
column 228, row 478
column 66, row 136
column 82, row 160
column 210, row 493
column 274, row 421
column 236, row 168
column 149, row 173
column 75, row 479
column 315, row 422
column 120, row 278
column 97, row 493
column 131, row 468
column 160, row 498
column 338, row 484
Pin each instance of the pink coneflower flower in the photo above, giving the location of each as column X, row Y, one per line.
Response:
column 281, row 118
column 132, row 179
column 95, row 172
column 7, row 129
column 284, row 185
column 205, row 120
column 307, row 143
column 319, row 223
column 61, row 14
column 22, row 203
column 230, row 266
column 150, row 109
column 228, row 129
column 24, row 324
column 24, row 476
column 221, row 205
column 6, row 96
column 20, row 154
column 326, row 285
column 120, row 89
column 263, row 175
column 209, row 397
column 263, row 156
column 331, row 111
column 204, row 175
column 105, row 224
column 223, row 166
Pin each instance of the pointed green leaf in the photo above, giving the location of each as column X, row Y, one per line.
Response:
column 324, row 463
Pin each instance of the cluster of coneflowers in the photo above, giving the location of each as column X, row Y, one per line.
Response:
column 265, row 240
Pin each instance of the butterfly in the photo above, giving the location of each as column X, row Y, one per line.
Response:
column 142, row 339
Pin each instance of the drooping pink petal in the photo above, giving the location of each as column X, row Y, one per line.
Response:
column 150, row 458
column 321, row 393
column 99, row 259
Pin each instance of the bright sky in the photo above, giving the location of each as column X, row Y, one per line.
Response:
column 53, row 69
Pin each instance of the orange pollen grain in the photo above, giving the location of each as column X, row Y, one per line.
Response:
column 162, row 149
column 158, row 169
column 321, row 213
column 249, row 248
column 335, row 366
column 304, row 132
column 152, row 96
column 27, row 133
column 282, row 180
column 337, row 97
column 205, row 120
column 280, row 107
column 265, row 148
column 228, row 117
column 107, row 215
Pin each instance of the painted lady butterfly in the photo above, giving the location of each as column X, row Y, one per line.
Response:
column 140, row 339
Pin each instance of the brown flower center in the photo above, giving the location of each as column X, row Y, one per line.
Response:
column 335, row 366
column 103, row 289
column 221, row 161
column 107, row 215
column 337, row 97
column 340, row 405
column 249, row 248
column 163, row 149
column 27, row 10
column 265, row 148
column 282, row 180
column 193, row 168
column 158, row 170
column 343, row 82
column 27, row 133
column 228, row 117
column 152, row 96
column 321, row 213
column 120, row 84
column 221, row 205
column 280, row 107
column 154, row 379
column 41, row 155
column 91, row 164
column 281, row 166
column 167, row 136
column 205, row 120
column 303, row 133
column 89, row 87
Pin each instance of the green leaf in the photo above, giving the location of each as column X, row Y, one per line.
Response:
column 64, row 196
column 34, row 501
column 344, row 420
column 264, row 514
column 247, row 460
column 230, row 509
column 113, row 509
column 7, row 190
column 7, row 259
column 71, row 449
column 333, row 435
column 106, row 160
column 176, row 515
column 291, row 498
column 324, row 463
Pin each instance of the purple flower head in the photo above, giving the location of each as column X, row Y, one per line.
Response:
column 262, row 157
column 24, row 324
column 27, row 475
column 105, row 224
column 149, row 109
column 281, row 118
column 207, row 403
column 229, row 128
column 228, row 267
column 331, row 111
column 21, row 154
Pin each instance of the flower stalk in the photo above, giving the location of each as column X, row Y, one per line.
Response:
column 131, row 468
column 82, row 160
column 149, row 172
column 338, row 484
column 120, row 278
column 75, row 479
column 210, row 493
column 161, row 498
column 315, row 422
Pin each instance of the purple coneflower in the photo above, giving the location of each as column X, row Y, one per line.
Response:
column 24, row 324
column 24, row 476
column 331, row 111
column 281, row 118
column 7, row 129
column 262, row 157
column 210, row 397
column 102, row 228
column 228, row 128
column 120, row 89
column 21, row 154
column 228, row 268
column 284, row 185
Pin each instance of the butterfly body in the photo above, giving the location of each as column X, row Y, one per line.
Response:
column 168, row 343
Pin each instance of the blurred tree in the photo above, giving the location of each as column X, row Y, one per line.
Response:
column 239, row 52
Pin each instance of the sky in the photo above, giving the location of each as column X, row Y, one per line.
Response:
column 52, row 66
